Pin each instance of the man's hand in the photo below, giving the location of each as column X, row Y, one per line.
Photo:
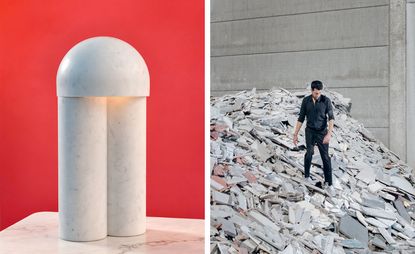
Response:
column 295, row 139
column 326, row 139
column 297, row 129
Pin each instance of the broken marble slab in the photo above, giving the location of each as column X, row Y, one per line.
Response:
column 304, row 223
column 378, row 242
column 375, row 222
column 221, row 211
column 378, row 213
column 387, row 222
column 288, row 250
column 402, row 210
column 228, row 227
column 403, row 184
column 361, row 218
column 375, row 187
column 271, row 238
column 353, row 229
column 372, row 201
column 328, row 243
column 387, row 236
column 263, row 220
column 215, row 185
column 221, row 198
column 352, row 244
column 366, row 173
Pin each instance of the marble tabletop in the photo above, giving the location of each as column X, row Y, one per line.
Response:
column 38, row 233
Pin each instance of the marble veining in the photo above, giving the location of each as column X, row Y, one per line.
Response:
column 38, row 233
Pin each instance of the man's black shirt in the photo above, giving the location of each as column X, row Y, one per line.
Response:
column 316, row 112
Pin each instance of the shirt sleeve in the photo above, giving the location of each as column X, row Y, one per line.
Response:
column 330, row 110
column 301, row 116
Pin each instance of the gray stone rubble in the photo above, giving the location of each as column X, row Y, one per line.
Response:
column 260, row 202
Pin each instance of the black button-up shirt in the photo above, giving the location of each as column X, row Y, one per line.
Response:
column 316, row 112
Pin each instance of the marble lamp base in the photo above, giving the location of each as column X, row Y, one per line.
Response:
column 38, row 233
column 102, row 85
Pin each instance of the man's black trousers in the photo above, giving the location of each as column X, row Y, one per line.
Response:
column 313, row 137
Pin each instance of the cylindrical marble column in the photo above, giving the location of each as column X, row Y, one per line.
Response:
column 410, row 81
column 82, row 143
column 126, row 165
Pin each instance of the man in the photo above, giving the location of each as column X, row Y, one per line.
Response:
column 316, row 107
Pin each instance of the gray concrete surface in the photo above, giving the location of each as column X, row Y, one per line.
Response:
column 310, row 31
column 410, row 61
column 337, row 68
column 397, row 79
column 222, row 10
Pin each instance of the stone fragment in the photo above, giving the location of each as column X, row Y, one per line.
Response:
column 378, row 242
column 387, row 236
column 352, row 244
column 353, row 229
column 403, row 184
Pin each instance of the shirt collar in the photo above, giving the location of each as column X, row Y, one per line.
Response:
column 318, row 99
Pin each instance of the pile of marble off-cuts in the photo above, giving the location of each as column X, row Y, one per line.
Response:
column 260, row 202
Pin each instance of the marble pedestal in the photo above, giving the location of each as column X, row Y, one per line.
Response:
column 38, row 233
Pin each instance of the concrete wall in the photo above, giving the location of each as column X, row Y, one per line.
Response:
column 356, row 47
column 410, row 81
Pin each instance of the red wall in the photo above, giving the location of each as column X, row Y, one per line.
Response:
column 34, row 37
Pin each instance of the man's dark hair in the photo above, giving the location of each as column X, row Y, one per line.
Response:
column 316, row 84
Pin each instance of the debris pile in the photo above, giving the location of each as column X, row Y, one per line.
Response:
column 260, row 202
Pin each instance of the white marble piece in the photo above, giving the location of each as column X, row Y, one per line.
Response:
column 367, row 174
column 103, row 66
column 403, row 184
column 82, row 159
column 361, row 218
column 126, row 165
column 375, row 187
column 380, row 213
column 38, row 233
column 386, row 235
column 376, row 222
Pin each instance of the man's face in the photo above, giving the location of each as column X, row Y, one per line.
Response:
column 315, row 93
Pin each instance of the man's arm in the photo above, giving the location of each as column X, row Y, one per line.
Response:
column 331, row 125
column 297, row 129
column 300, row 121
column 331, row 122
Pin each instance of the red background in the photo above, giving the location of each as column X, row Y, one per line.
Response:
column 34, row 37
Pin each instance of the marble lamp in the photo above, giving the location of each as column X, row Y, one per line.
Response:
column 102, row 85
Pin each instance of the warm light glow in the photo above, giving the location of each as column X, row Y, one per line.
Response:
column 118, row 100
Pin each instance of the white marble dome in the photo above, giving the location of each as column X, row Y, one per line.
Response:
column 102, row 66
